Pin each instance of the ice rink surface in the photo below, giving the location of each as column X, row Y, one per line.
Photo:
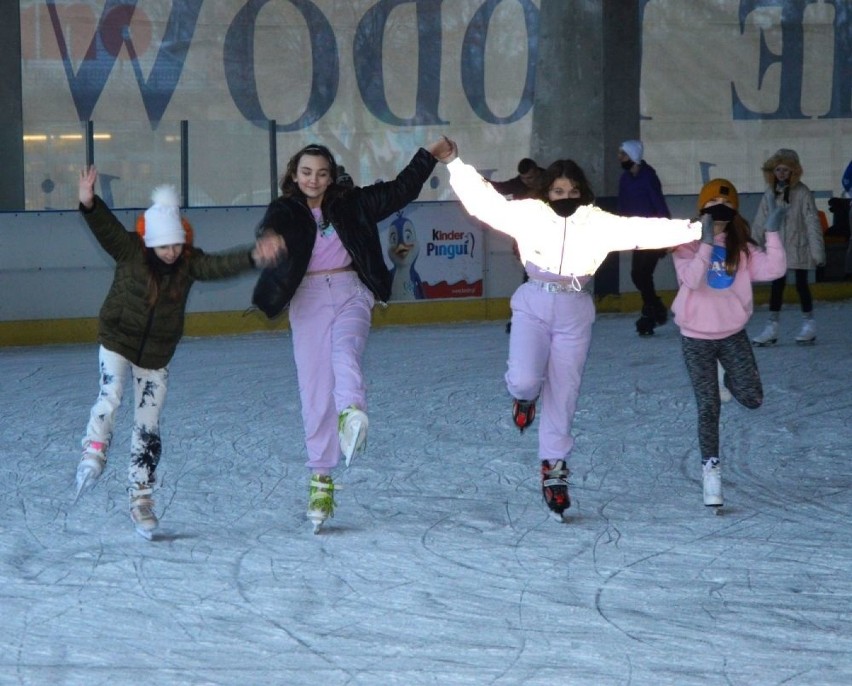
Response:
column 441, row 565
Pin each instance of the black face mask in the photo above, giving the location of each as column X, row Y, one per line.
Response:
column 720, row 212
column 565, row 207
column 627, row 165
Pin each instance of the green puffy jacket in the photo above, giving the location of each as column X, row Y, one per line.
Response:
column 129, row 325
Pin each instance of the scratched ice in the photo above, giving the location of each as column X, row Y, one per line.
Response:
column 441, row 565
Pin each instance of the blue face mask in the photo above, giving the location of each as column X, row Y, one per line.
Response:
column 717, row 277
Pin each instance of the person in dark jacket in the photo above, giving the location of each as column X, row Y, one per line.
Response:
column 640, row 194
column 332, row 274
column 140, row 325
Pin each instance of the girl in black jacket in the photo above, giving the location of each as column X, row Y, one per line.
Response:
column 333, row 273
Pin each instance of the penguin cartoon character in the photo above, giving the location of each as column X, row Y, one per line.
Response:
column 403, row 250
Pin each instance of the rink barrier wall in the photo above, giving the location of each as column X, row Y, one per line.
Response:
column 54, row 276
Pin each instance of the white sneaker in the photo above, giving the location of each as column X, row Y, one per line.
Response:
column 89, row 471
column 769, row 335
column 352, row 432
column 724, row 394
column 142, row 510
column 807, row 334
column 712, row 476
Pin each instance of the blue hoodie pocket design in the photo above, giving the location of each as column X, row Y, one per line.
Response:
column 717, row 277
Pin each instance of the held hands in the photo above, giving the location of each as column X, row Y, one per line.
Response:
column 707, row 224
column 444, row 150
column 777, row 212
column 269, row 249
column 86, row 187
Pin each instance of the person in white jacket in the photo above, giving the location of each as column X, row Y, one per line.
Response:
column 562, row 240
column 801, row 234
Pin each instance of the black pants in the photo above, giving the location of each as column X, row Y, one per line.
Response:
column 743, row 380
column 642, row 273
column 776, row 294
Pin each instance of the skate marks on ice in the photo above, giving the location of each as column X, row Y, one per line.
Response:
column 441, row 564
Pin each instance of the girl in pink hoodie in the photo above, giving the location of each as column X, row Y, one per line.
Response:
column 712, row 307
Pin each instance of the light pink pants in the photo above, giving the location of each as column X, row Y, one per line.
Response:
column 330, row 321
column 548, row 346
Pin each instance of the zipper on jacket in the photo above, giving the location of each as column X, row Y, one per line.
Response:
column 145, row 336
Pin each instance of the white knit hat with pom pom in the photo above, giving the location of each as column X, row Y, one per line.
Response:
column 162, row 220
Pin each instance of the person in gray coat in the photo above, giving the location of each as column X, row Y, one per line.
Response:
column 801, row 234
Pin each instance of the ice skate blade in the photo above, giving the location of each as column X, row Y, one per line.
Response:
column 147, row 534
column 810, row 342
column 560, row 517
column 316, row 521
column 717, row 508
column 764, row 344
column 358, row 443
column 84, row 484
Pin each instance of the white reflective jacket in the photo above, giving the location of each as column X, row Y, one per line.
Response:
column 572, row 246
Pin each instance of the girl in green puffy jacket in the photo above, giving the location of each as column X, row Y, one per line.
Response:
column 140, row 324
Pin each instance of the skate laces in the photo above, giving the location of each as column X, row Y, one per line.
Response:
column 554, row 485
column 321, row 495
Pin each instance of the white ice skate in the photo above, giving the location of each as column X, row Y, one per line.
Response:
column 712, row 478
column 88, row 472
column 769, row 335
column 142, row 510
column 352, row 431
column 807, row 334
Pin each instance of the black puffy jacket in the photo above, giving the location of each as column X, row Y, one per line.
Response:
column 355, row 215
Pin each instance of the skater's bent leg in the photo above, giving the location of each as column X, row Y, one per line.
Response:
column 149, row 392
column 529, row 344
column 350, row 330
column 737, row 357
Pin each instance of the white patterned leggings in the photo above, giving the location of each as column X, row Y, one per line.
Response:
column 741, row 377
column 149, row 391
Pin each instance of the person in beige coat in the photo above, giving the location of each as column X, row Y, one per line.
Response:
column 801, row 234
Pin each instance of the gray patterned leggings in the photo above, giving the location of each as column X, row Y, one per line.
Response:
column 741, row 377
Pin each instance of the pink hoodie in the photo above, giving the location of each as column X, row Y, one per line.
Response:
column 713, row 313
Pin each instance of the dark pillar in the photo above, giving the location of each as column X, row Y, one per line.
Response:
column 11, row 108
column 587, row 95
column 587, row 85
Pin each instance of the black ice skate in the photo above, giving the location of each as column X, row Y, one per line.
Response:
column 523, row 412
column 554, row 487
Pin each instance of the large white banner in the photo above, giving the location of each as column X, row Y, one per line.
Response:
column 725, row 83
column 373, row 79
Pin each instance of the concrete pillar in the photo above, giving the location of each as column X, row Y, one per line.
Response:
column 11, row 108
column 587, row 85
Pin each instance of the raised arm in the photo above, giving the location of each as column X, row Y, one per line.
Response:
column 86, row 187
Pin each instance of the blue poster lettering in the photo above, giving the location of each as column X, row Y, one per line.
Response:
column 841, row 85
column 473, row 61
column 240, row 71
column 791, row 60
column 113, row 32
column 369, row 61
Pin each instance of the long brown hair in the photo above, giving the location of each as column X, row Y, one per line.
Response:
column 289, row 187
column 157, row 270
column 737, row 239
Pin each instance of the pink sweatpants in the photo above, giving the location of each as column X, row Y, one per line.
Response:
column 548, row 346
column 330, row 321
